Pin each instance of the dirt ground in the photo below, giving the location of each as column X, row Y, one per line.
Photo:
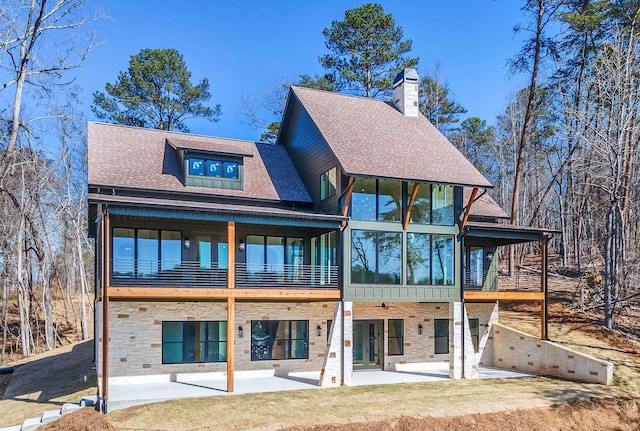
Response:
column 613, row 414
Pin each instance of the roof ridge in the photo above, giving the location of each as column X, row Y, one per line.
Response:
column 337, row 93
column 172, row 132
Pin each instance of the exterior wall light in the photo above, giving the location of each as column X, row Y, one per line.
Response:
column 240, row 332
column 420, row 329
column 241, row 246
column 319, row 330
column 490, row 255
column 187, row 242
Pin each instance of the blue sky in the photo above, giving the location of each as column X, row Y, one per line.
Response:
column 246, row 47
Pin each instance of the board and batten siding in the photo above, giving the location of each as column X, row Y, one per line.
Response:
column 311, row 155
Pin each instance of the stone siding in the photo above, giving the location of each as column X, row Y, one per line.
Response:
column 517, row 350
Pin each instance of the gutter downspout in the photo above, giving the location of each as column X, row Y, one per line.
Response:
column 105, row 316
column 462, row 259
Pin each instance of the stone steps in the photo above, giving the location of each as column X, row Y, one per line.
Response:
column 52, row 415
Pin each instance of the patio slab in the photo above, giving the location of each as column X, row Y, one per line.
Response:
column 123, row 395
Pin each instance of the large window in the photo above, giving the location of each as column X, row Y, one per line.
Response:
column 189, row 342
column 377, row 200
column 275, row 255
column 376, row 257
column 430, row 259
column 442, row 259
column 442, row 205
column 324, row 259
column 328, row 182
column 441, row 336
column 142, row 253
column 396, row 337
column 279, row 339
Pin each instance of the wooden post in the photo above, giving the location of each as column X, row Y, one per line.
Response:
column 544, row 289
column 231, row 304
column 412, row 199
column 231, row 312
column 105, row 312
column 347, row 199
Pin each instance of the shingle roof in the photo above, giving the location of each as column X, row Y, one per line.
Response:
column 135, row 158
column 372, row 138
column 484, row 206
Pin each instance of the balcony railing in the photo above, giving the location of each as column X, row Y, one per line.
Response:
column 154, row 273
column 495, row 280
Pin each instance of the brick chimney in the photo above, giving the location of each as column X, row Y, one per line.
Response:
column 405, row 92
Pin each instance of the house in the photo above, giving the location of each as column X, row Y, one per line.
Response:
column 361, row 240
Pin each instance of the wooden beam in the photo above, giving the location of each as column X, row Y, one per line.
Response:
column 484, row 296
column 347, row 199
column 231, row 254
column 105, row 313
column 221, row 293
column 467, row 210
column 412, row 199
column 543, row 287
column 231, row 325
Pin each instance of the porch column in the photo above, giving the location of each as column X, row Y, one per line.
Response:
column 544, row 279
column 338, row 361
column 461, row 350
column 231, row 303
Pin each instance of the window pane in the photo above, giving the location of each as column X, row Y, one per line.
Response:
column 363, row 256
column 442, row 260
column 295, row 259
column 389, row 258
column 421, row 209
column 189, row 342
column 442, row 212
column 363, row 200
column 186, row 342
column 475, row 268
column 172, row 331
column 196, row 167
column 279, row 339
column 204, row 251
column 474, row 328
column 171, row 353
column 418, row 258
column 328, row 184
column 254, row 248
column 147, row 244
column 275, row 254
column 223, row 255
column 170, row 249
column 214, row 168
column 396, row 337
column 389, row 200
column 441, row 332
column 230, row 170
column 123, row 252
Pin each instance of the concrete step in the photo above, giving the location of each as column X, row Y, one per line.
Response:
column 69, row 408
column 50, row 416
column 13, row 428
column 31, row 424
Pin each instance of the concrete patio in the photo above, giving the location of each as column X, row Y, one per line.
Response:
column 130, row 392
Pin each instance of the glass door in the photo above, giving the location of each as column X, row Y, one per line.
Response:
column 211, row 259
column 367, row 344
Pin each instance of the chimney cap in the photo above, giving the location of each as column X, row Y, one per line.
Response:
column 409, row 75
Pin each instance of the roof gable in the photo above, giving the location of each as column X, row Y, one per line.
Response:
column 371, row 138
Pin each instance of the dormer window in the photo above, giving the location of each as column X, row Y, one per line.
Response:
column 224, row 172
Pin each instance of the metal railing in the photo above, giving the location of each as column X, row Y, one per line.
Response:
column 495, row 280
column 279, row 275
column 189, row 274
